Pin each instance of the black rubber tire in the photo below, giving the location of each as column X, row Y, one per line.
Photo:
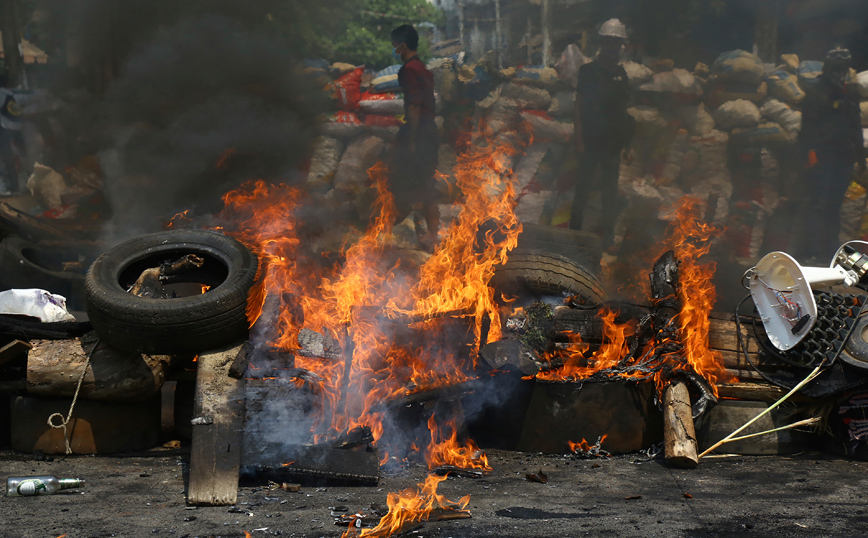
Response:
column 582, row 247
column 189, row 324
column 535, row 272
column 24, row 264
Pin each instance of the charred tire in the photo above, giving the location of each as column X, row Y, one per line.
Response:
column 24, row 264
column 191, row 324
column 582, row 247
column 535, row 272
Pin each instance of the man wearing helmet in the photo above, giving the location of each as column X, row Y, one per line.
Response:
column 831, row 139
column 602, row 127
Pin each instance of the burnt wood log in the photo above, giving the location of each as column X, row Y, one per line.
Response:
column 239, row 365
column 54, row 367
column 679, row 433
column 311, row 464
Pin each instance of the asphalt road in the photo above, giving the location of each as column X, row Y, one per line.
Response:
column 810, row 495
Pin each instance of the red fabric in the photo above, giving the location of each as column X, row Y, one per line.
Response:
column 348, row 89
column 380, row 120
column 345, row 117
column 417, row 83
column 391, row 96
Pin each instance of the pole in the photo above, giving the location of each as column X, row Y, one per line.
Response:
column 498, row 34
column 11, row 40
column 546, row 34
column 461, row 24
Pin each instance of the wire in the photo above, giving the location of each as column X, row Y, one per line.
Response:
column 780, row 357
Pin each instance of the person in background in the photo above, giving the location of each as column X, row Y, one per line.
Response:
column 414, row 161
column 10, row 131
column 831, row 141
column 603, row 128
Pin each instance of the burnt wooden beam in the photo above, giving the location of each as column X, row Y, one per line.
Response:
column 239, row 365
column 307, row 464
column 218, row 411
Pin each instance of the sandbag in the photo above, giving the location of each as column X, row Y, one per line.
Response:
column 863, row 112
column 532, row 205
column 785, row 86
column 342, row 125
column 674, row 159
column 383, row 120
column 563, row 104
column 352, row 172
column 674, row 81
column 790, row 62
column 340, row 68
column 382, row 103
column 543, row 77
column 544, row 127
column 765, row 133
column 705, row 164
column 695, row 118
column 721, row 92
column 386, row 80
column 738, row 113
column 502, row 114
column 47, row 186
column 780, row 112
column 568, row 65
column 324, row 159
column 527, row 97
column 738, row 66
column 852, row 211
column 809, row 72
column 347, row 89
column 862, row 83
column 649, row 122
column 637, row 73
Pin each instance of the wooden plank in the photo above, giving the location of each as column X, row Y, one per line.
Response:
column 722, row 336
column 762, row 392
column 12, row 350
column 215, row 457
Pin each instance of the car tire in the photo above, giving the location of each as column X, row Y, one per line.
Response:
column 186, row 324
column 534, row 273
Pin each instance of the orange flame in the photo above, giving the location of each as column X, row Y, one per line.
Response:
column 360, row 302
column 584, row 446
column 448, row 452
column 690, row 239
column 411, row 506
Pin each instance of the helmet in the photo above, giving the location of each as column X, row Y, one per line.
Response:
column 613, row 28
column 838, row 55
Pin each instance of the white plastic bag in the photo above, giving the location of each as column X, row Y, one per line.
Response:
column 46, row 306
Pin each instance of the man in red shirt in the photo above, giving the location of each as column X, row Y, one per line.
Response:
column 412, row 167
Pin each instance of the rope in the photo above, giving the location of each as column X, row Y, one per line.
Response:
column 65, row 421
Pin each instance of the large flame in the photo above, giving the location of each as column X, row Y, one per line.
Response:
column 368, row 302
column 690, row 239
column 410, row 506
column 445, row 450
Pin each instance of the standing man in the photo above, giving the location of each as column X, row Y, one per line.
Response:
column 831, row 139
column 602, row 128
column 412, row 167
